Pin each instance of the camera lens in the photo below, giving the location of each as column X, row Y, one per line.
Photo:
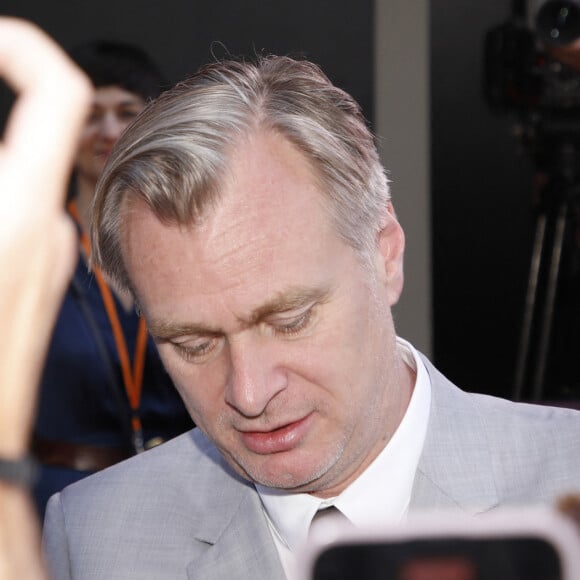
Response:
column 558, row 22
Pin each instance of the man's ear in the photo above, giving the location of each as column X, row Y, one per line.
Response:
column 391, row 248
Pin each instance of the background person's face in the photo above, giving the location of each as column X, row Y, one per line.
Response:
column 279, row 341
column 112, row 110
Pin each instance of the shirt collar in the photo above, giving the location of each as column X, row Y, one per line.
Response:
column 382, row 492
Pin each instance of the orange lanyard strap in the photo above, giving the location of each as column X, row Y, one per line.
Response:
column 132, row 378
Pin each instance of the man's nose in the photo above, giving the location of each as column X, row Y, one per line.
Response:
column 255, row 376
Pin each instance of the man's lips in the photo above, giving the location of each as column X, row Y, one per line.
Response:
column 282, row 439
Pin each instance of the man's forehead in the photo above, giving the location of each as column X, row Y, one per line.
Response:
column 267, row 182
column 266, row 171
column 268, row 232
column 261, row 162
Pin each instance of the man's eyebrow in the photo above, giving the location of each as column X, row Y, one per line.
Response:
column 283, row 302
column 286, row 301
column 164, row 330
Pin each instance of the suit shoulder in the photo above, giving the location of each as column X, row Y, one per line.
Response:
column 525, row 415
column 534, row 447
column 185, row 467
column 146, row 517
column 513, row 452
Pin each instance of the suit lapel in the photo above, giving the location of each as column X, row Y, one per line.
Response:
column 241, row 545
column 455, row 469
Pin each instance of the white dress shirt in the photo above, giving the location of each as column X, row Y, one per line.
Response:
column 381, row 494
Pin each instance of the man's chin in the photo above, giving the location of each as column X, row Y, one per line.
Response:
column 282, row 474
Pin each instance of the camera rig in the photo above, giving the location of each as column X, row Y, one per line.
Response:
column 532, row 72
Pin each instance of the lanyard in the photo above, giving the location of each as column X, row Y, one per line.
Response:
column 132, row 378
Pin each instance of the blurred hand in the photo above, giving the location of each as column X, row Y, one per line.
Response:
column 37, row 249
column 36, row 238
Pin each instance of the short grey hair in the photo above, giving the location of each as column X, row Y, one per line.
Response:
column 175, row 154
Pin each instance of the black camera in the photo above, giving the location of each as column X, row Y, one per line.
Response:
column 532, row 67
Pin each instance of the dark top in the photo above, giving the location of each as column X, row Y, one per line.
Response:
column 78, row 401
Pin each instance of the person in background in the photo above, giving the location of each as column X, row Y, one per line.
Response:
column 104, row 393
column 37, row 256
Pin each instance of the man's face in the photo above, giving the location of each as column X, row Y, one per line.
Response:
column 277, row 337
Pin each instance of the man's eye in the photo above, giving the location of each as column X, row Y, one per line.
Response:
column 197, row 351
column 294, row 325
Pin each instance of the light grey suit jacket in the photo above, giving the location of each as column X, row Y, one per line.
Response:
column 178, row 511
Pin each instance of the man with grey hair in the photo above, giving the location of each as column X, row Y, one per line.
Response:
column 248, row 213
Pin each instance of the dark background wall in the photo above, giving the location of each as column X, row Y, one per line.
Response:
column 183, row 34
column 482, row 206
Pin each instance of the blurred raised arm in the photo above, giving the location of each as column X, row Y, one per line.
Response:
column 37, row 245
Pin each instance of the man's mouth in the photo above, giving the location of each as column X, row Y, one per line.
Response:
column 283, row 438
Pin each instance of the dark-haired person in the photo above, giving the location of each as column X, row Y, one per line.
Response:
column 104, row 394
